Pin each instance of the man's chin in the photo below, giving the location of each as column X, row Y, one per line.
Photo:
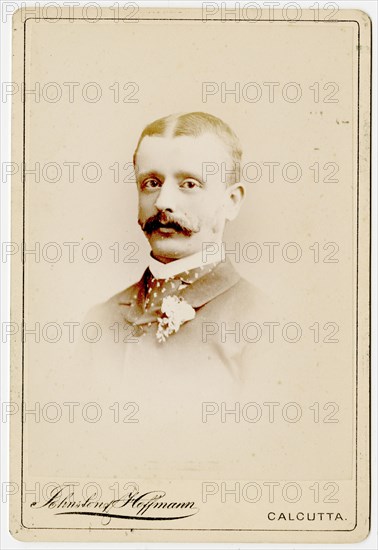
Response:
column 167, row 250
column 165, row 256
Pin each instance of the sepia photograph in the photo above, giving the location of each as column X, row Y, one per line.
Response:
column 190, row 285
column 190, row 262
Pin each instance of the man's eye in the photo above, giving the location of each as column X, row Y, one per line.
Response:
column 151, row 183
column 190, row 184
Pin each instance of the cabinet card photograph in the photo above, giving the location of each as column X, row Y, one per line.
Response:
column 190, row 261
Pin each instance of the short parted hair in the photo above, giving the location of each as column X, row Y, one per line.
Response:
column 195, row 124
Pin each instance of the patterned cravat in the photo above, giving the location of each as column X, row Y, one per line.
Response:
column 158, row 289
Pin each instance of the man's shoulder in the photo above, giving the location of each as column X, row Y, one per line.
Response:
column 109, row 310
column 127, row 295
column 243, row 300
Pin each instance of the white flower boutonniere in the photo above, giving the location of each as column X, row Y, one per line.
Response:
column 174, row 313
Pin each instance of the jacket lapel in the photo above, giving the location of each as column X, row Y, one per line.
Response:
column 132, row 302
column 211, row 285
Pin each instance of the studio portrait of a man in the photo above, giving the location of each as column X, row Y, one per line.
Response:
column 190, row 303
column 189, row 268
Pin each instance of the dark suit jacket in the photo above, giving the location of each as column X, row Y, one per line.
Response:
column 214, row 340
column 173, row 385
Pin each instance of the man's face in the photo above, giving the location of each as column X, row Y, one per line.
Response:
column 184, row 200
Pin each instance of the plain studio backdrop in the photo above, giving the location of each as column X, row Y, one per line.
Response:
column 164, row 67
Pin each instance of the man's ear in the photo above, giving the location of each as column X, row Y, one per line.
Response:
column 235, row 197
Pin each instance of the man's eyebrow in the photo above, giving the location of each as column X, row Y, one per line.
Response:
column 182, row 174
column 150, row 173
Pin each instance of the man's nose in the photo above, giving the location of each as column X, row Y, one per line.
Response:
column 166, row 199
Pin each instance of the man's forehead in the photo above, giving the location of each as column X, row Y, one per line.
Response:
column 176, row 153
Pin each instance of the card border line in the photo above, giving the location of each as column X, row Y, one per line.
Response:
column 357, row 274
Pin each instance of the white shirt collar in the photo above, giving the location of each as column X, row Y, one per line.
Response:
column 214, row 254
